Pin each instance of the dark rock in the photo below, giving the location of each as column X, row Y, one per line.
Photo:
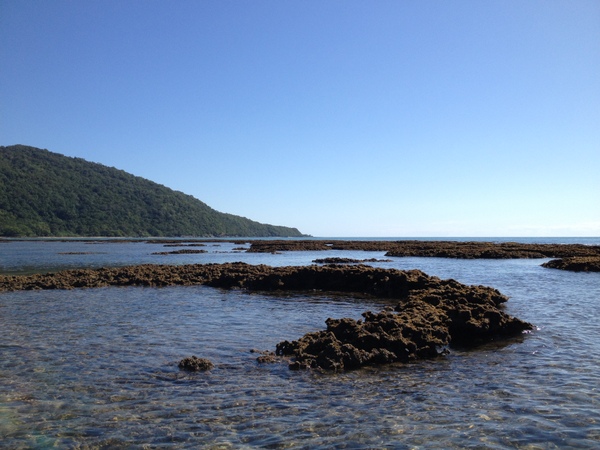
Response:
column 184, row 245
column 430, row 314
column 79, row 253
column 575, row 264
column 266, row 357
column 422, row 326
column 195, row 364
column 347, row 260
column 180, row 252
column 440, row 249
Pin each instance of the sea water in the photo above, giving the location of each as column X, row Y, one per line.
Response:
column 97, row 368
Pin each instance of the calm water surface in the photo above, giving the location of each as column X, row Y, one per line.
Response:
column 97, row 368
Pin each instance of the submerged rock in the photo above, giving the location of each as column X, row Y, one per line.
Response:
column 195, row 364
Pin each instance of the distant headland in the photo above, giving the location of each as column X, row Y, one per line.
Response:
column 46, row 194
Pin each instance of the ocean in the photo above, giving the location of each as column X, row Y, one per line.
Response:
column 97, row 368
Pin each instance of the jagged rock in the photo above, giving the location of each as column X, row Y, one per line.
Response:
column 195, row 364
column 430, row 314
column 422, row 326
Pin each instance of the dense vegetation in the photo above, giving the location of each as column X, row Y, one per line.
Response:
column 48, row 194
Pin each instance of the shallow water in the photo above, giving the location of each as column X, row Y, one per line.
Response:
column 97, row 368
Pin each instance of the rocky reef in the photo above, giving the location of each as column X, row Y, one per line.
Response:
column 180, row 252
column 429, row 313
column 337, row 260
column 361, row 279
column 440, row 249
column 575, row 264
column 423, row 324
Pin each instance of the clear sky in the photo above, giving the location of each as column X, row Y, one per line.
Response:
column 341, row 118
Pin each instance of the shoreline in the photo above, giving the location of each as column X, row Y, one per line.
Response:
column 575, row 257
column 444, row 248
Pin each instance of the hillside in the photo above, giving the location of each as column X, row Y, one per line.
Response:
column 48, row 194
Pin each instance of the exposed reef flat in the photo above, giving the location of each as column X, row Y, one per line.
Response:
column 440, row 249
column 361, row 279
column 575, row 264
column 180, row 252
column 347, row 260
column 429, row 313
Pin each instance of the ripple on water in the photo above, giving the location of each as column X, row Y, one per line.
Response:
column 99, row 367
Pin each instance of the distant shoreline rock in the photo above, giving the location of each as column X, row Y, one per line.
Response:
column 347, row 260
column 181, row 252
column 575, row 264
column 404, row 248
column 438, row 249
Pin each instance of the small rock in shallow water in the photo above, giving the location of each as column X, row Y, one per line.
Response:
column 195, row 364
column 268, row 359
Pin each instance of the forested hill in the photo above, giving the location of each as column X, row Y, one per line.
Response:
column 48, row 194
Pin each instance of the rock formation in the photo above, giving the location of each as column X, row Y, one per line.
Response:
column 180, row 252
column 429, row 315
column 347, row 260
column 575, row 264
column 440, row 249
column 195, row 364
column 422, row 325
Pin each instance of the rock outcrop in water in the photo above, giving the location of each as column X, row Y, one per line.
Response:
column 440, row 249
column 385, row 283
column 347, row 260
column 422, row 325
column 195, row 364
column 429, row 315
column 181, row 252
column 575, row 264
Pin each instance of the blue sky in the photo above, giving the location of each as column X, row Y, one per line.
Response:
column 340, row 118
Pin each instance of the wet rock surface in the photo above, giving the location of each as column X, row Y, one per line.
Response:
column 266, row 357
column 180, row 252
column 385, row 283
column 195, row 364
column 184, row 245
column 429, row 315
column 422, row 326
column 440, row 249
column 347, row 260
column 575, row 264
